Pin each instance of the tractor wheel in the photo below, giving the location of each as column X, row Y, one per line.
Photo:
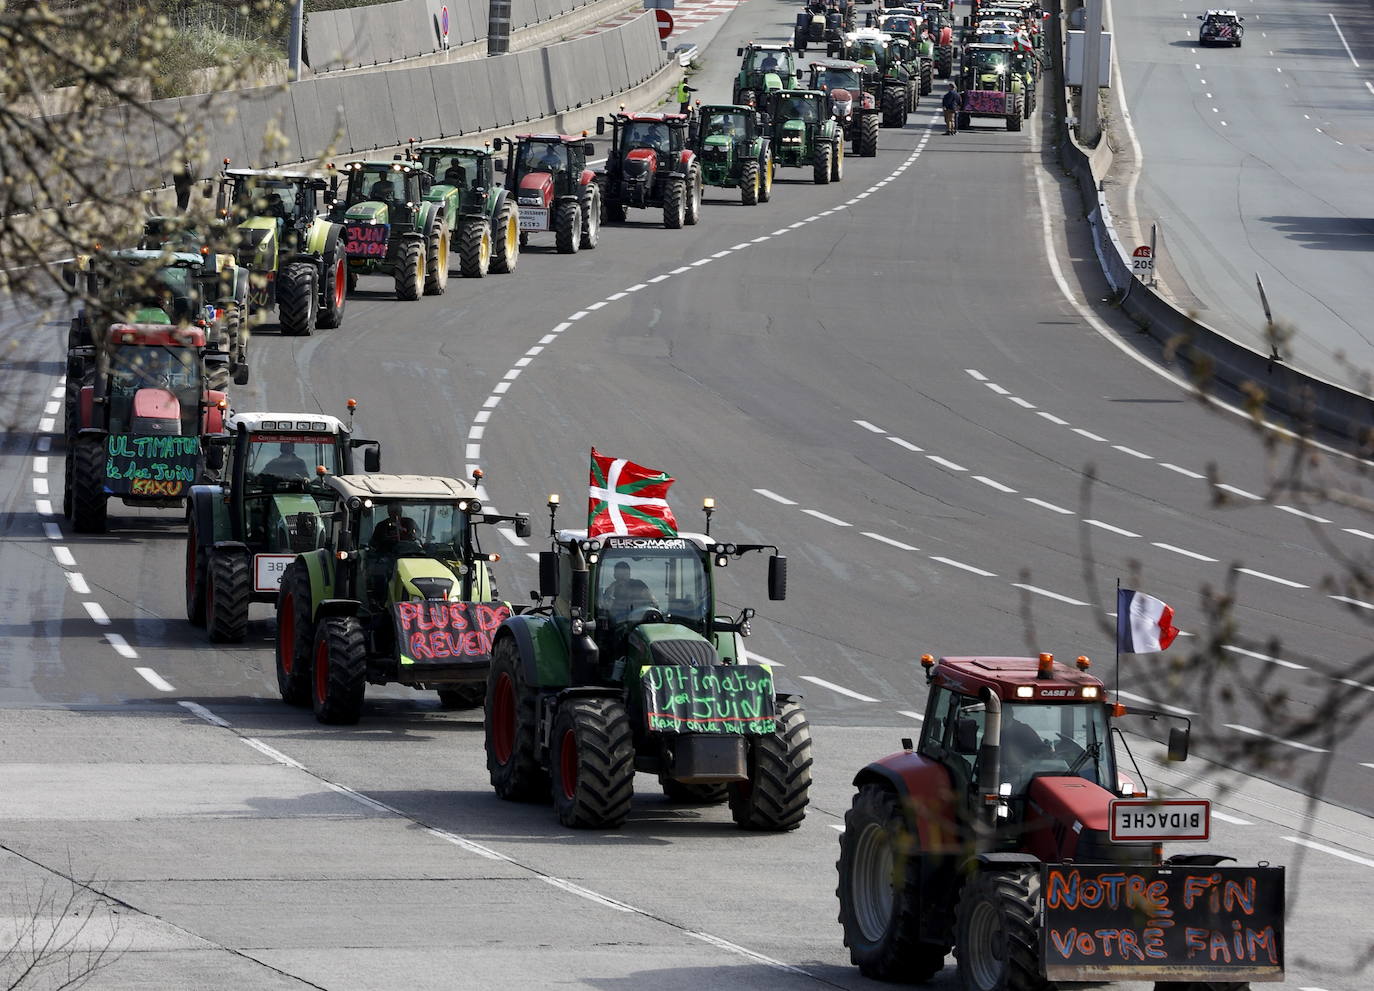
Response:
column 693, row 794
column 692, row 208
column 464, row 696
column 195, row 576
column 296, row 299
column 295, row 635
column 567, row 227
column 1014, row 118
column 340, row 671
column 775, row 796
column 336, row 288
column 474, row 247
column 766, row 179
column 524, row 239
column 71, row 398
column 591, row 217
column 217, row 379
column 615, row 211
column 505, row 250
column 820, row 164
column 748, row 98
column 837, row 161
column 894, row 106
column 867, row 145
column 997, row 937
column 436, row 260
column 227, row 597
column 236, row 343
column 409, row 275
column 88, row 485
column 927, row 77
column 749, row 183
column 68, row 464
column 964, row 121
column 674, row 204
column 880, row 892
column 592, row 763
column 512, row 729
column 944, row 61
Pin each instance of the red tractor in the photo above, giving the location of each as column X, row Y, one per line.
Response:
column 554, row 189
column 652, row 165
column 1012, row 835
column 141, row 426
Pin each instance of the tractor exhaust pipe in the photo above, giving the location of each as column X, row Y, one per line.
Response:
column 989, row 771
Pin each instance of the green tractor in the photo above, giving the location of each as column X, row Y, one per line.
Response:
column 484, row 221
column 855, row 89
column 906, row 25
column 901, row 92
column 805, row 133
column 390, row 228
column 244, row 533
column 294, row 254
column 734, row 151
column 991, row 86
column 625, row 667
column 763, row 69
column 398, row 591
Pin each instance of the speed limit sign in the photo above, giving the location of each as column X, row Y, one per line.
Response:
column 1143, row 262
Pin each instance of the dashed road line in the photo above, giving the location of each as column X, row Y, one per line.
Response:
column 1037, row 590
column 962, row 566
column 1120, row 531
column 840, row 689
column 827, row 518
column 1183, row 550
column 782, row 500
column 1048, row 505
column 994, row 484
column 889, row 541
column 1271, row 578
column 155, row 679
column 1257, row 656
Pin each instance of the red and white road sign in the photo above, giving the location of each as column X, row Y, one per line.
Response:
column 1143, row 261
column 665, row 22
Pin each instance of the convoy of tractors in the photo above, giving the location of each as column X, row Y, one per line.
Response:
column 979, row 839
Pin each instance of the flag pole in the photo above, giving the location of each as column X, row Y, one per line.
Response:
column 1117, row 690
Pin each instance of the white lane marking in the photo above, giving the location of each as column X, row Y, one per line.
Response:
column 512, row 375
column 1023, row 403
column 739, row 247
column 272, row 753
column 911, row 715
column 976, row 374
column 1181, row 471
column 838, row 688
column 1132, row 452
column 1050, row 416
column 1291, row 665
column 1360, row 533
column 946, row 463
column 57, row 392
column 45, row 425
column 961, row 565
column 481, row 416
column 888, row 540
column 491, row 402
column 836, row 826
column 1331, row 850
column 760, row 240
column 1233, row 820
column 475, row 433
column 748, row 954
column 77, row 582
column 751, row 656
column 52, row 531
column 1240, row 492
column 587, row 893
column 614, row 296
column 799, row 223
column 597, row 305
column 468, row 845
column 1341, row 34
column 1143, row 700
column 52, row 407
column 559, row 328
column 43, row 507
column 473, row 452
column 40, row 465
column 578, row 315
column 997, row 388
column 1184, row 551
column 1369, row 86
column 660, row 278
column 769, row 494
column 822, row 516
column 1303, row 513
column 640, row 285
column 532, row 555
column 680, row 269
column 1049, row 505
column 869, row 426
column 199, row 710
column 1037, row 590
column 1113, row 529
column 96, row 613
column 1353, row 602
column 993, row 483
column 906, row 444
column 1295, row 744
column 510, row 535
column 1356, row 684
column 1271, row 578
column 346, row 791
column 1090, row 435
column 779, row 232
column 155, row 679
column 121, row 646
column 64, row 557
column 702, row 261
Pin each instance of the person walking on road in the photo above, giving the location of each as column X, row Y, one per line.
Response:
column 950, row 103
column 684, row 98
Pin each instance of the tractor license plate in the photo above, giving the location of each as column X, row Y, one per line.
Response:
column 534, row 218
column 268, row 570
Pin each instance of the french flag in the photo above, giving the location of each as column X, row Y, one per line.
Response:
column 1144, row 624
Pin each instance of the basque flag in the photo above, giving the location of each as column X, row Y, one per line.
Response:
column 1144, row 624
column 628, row 499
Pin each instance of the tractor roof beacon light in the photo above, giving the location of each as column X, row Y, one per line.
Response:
column 708, row 506
column 1045, row 670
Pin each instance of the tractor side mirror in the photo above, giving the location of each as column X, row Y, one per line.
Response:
column 1199, row 17
column 214, row 457
column 210, row 266
column 1178, row 744
column 966, row 736
column 548, row 574
column 739, row 51
column 497, row 144
column 499, row 165
column 777, row 578
column 372, row 458
column 522, row 526
column 588, row 148
column 207, row 190
column 241, row 374
column 601, row 125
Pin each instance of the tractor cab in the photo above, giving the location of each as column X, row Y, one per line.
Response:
column 733, row 150
column 764, row 69
column 466, row 170
column 383, row 192
column 845, row 81
column 543, row 167
column 272, row 210
column 797, row 109
column 987, row 67
column 154, row 382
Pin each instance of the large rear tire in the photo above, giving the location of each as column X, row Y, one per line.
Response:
column 997, row 936
column 227, row 597
column 409, row 276
column 821, row 164
column 339, row 672
column 296, row 299
column 295, row 636
column 837, row 162
column 592, row 763
column 775, row 797
column 615, row 212
column 691, row 213
column 335, row 290
column 893, row 106
column 511, row 725
column 674, row 204
column 567, row 227
column 748, row 98
column 436, row 259
column 1014, row 118
column 766, row 179
column 591, row 217
column 880, row 891
column 89, row 501
column 749, row 183
column 867, row 144
column 505, row 250
column 474, row 247
column 195, row 577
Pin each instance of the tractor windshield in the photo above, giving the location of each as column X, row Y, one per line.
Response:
column 766, row 61
column 173, row 289
column 798, row 108
column 840, row 79
column 261, row 196
column 986, row 62
column 543, row 156
column 413, row 528
column 899, row 25
column 463, row 171
column 647, row 134
column 276, row 461
column 165, row 380
column 380, row 184
column 731, row 125
column 669, row 578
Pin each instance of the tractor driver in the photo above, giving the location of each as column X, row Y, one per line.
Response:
column 544, row 156
column 626, row 593
column 770, row 63
column 797, row 108
column 287, row 464
column 647, row 134
column 456, row 175
column 386, row 535
column 382, row 191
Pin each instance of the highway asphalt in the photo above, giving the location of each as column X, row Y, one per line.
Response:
column 885, row 377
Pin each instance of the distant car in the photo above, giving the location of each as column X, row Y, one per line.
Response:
column 685, row 54
column 1220, row 27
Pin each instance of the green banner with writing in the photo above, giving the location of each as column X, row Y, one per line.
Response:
column 720, row 698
